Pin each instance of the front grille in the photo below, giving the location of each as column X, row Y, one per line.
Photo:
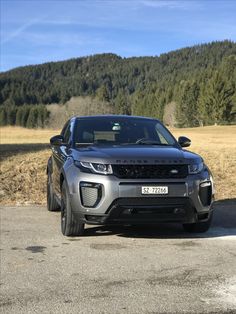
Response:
column 150, row 171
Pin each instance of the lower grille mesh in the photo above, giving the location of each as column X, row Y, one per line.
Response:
column 89, row 196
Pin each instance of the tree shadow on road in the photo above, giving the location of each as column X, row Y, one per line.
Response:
column 8, row 150
column 223, row 225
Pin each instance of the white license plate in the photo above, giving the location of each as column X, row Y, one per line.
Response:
column 158, row 190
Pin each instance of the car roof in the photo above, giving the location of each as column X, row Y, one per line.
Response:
column 112, row 116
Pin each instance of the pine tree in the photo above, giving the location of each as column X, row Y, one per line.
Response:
column 122, row 103
column 216, row 102
column 102, row 93
column 19, row 115
column 46, row 115
column 32, row 118
column 137, row 107
column 42, row 116
column 25, row 115
column 11, row 115
column 3, row 116
column 187, row 108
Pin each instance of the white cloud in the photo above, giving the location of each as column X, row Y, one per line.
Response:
column 170, row 4
column 62, row 39
column 20, row 30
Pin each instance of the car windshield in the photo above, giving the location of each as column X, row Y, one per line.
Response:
column 121, row 131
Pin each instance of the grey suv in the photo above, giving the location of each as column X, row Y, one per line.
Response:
column 126, row 170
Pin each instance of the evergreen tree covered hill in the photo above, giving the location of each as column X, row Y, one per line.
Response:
column 201, row 80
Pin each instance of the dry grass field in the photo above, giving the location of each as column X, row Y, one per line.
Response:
column 217, row 146
column 24, row 155
column 18, row 135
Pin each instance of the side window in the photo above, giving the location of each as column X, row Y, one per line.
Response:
column 64, row 128
column 164, row 136
column 67, row 133
column 161, row 137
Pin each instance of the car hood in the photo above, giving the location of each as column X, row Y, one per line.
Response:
column 135, row 155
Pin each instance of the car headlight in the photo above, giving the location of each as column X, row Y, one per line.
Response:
column 195, row 168
column 95, row 167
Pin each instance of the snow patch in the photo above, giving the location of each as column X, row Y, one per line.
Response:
column 227, row 292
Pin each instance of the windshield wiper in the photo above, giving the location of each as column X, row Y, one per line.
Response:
column 106, row 143
column 96, row 143
column 83, row 144
column 150, row 142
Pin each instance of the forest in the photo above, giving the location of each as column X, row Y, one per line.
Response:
column 198, row 83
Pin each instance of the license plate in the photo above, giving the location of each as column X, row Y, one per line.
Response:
column 157, row 190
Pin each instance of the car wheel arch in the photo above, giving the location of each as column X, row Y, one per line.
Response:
column 62, row 179
column 49, row 166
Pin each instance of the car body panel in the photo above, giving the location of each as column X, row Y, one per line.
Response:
column 134, row 154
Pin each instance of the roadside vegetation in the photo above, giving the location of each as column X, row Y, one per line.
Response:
column 198, row 85
column 24, row 155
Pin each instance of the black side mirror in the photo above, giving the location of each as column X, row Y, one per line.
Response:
column 57, row 140
column 184, row 141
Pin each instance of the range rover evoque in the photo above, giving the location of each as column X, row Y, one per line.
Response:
column 126, row 170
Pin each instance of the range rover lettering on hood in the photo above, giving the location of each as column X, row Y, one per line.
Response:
column 145, row 161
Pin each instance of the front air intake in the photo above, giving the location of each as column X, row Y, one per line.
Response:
column 90, row 194
column 205, row 193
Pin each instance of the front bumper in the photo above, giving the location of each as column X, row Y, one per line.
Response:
column 121, row 200
column 143, row 211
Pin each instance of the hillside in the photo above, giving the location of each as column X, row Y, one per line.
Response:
column 200, row 82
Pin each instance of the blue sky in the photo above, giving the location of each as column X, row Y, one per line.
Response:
column 34, row 31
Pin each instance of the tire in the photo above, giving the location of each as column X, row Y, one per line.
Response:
column 52, row 204
column 198, row 227
column 70, row 225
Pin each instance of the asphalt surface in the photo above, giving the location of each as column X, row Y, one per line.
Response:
column 116, row 270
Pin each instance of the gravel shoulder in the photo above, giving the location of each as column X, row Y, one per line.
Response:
column 116, row 270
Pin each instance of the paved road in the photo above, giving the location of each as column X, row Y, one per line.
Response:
column 118, row 270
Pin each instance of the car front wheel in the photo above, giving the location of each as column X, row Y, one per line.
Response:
column 70, row 225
